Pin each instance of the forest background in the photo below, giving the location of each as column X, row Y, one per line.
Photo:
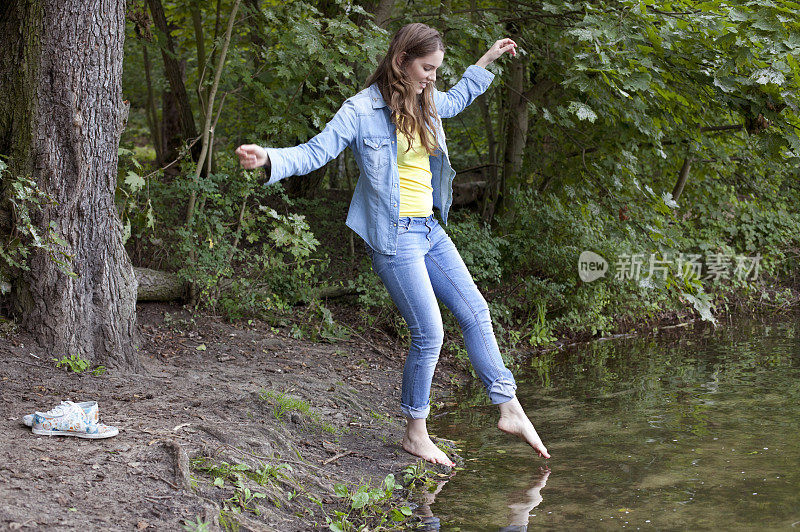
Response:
column 661, row 136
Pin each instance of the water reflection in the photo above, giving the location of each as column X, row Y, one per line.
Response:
column 525, row 503
column 520, row 505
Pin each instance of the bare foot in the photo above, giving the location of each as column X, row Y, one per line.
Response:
column 417, row 442
column 514, row 421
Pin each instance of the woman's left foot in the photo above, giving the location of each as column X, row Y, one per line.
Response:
column 514, row 421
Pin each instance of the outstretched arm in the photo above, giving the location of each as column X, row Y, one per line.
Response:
column 304, row 158
column 474, row 82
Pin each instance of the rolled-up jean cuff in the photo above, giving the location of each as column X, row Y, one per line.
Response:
column 415, row 413
column 501, row 391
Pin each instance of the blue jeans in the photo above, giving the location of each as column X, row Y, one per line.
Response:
column 427, row 265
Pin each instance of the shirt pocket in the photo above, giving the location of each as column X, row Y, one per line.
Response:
column 376, row 153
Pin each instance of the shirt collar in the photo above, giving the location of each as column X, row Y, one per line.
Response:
column 375, row 96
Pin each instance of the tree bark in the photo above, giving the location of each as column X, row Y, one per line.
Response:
column 61, row 72
column 383, row 12
column 174, row 73
column 152, row 115
column 200, row 45
column 517, row 124
column 306, row 186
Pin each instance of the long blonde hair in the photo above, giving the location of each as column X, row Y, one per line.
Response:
column 411, row 112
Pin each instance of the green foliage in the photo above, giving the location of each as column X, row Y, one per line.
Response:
column 132, row 197
column 238, row 242
column 367, row 506
column 540, row 332
column 283, row 403
column 314, row 54
column 73, row 363
column 418, row 476
column 319, row 325
column 76, row 364
column 198, row 525
column 26, row 199
column 478, row 246
column 618, row 95
column 237, row 475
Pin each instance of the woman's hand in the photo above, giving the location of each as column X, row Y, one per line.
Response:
column 252, row 156
column 497, row 49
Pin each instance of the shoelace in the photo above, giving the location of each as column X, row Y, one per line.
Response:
column 61, row 409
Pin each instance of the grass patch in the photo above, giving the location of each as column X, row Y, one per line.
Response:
column 283, row 404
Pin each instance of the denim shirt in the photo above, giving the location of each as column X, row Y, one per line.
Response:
column 363, row 123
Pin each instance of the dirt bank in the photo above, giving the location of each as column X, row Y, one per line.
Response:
column 288, row 419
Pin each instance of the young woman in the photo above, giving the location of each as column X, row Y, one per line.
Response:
column 394, row 129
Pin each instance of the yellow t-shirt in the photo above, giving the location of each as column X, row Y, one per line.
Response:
column 416, row 192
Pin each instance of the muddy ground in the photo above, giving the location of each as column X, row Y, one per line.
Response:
column 208, row 389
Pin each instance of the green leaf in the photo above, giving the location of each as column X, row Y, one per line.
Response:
column 768, row 75
column 582, row 111
column 702, row 304
column 653, row 36
column 582, row 34
column 134, row 181
column 360, row 500
column 126, row 230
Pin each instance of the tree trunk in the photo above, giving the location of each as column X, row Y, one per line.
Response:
column 174, row 73
column 171, row 134
column 517, row 124
column 61, row 72
column 383, row 12
column 152, row 115
column 306, row 186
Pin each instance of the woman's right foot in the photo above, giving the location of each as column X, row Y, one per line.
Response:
column 417, row 442
column 513, row 420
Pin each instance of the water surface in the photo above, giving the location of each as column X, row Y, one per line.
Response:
column 693, row 429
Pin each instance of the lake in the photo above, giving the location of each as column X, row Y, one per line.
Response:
column 694, row 428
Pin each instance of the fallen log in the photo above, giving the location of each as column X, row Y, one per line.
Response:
column 157, row 285
column 466, row 193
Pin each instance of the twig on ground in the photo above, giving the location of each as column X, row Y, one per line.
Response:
column 336, row 457
column 156, row 477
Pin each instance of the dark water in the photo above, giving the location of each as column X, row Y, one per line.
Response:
column 692, row 429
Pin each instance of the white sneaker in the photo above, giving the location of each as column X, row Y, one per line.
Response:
column 69, row 419
column 90, row 407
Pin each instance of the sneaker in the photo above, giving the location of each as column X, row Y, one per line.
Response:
column 69, row 419
column 90, row 407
